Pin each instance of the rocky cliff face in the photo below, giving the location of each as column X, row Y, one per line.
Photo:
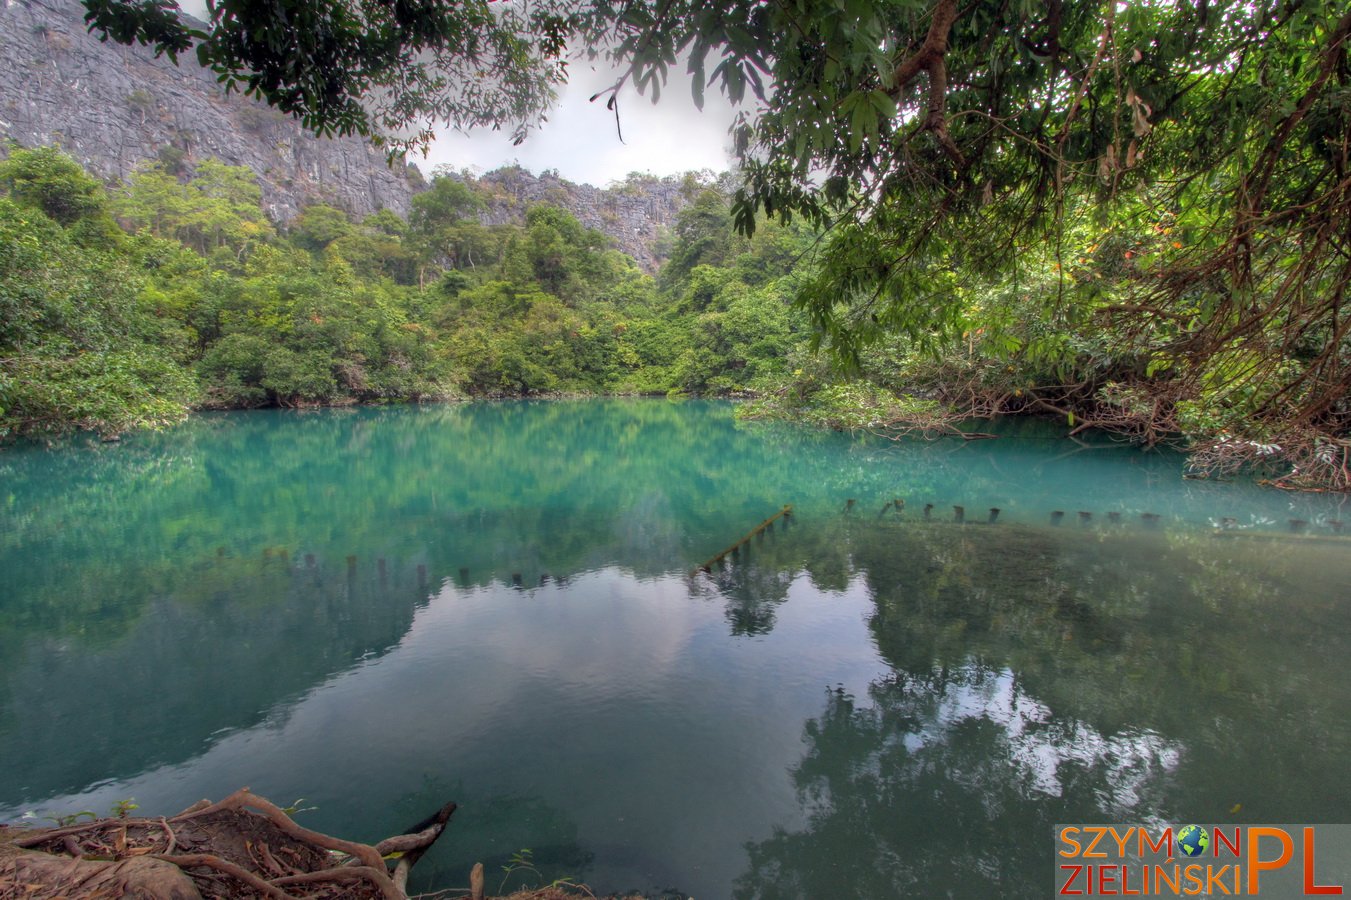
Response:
column 635, row 214
column 113, row 107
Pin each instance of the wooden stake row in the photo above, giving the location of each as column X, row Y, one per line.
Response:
column 1228, row 524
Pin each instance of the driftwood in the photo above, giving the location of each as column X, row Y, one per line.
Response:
column 243, row 845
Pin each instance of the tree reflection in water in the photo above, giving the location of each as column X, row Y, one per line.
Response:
column 1040, row 677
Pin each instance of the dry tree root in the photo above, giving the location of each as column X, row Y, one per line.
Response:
column 43, row 875
column 242, row 846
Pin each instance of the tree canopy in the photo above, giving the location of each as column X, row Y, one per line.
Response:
column 381, row 69
column 1168, row 181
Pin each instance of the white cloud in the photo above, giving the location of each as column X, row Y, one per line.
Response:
column 580, row 139
column 581, row 142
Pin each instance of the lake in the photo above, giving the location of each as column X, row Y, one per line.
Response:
column 378, row 610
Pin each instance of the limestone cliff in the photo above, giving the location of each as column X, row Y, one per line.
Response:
column 112, row 107
column 636, row 213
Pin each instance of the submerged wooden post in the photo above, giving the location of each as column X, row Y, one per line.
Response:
column 516, row 578
column 849, row 505
column 309, row 560
column 1335, row 525
column 959, row 514
column 897, row 504
column 1056, row 516
column 1297, row 526
column 464, row 575
column 928, row 509
column 994, row 515
column 1114, row 518
column 421, row 575
column 1150, row 519
column 742, row 547
column 1085, row 517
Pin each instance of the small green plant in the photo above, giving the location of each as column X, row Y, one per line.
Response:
column 521, row 861
column 124, row 808
column 297, row 807
column 71, row 819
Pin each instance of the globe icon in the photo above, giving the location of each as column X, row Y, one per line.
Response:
column 1193, row 840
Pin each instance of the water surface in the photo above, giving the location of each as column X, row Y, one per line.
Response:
column 381, row 609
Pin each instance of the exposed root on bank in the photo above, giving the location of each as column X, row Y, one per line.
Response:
column 243, row 846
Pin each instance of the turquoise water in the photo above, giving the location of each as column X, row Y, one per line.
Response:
column 381, row 609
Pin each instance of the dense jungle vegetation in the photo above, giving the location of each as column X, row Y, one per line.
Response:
column 1130, row 216
column 126, row 305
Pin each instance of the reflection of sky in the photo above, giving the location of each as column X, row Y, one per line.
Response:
column 620, row 700
column 1042, row 744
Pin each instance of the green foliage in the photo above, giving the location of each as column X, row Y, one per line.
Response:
column 104, row 392
column 219, row 208
column 1131, row 215
column 704, row 236
column 77, row 348
column 1119, row 202
column 371, row 68
column 318, row 226
column 48, row 180
column 205, row 303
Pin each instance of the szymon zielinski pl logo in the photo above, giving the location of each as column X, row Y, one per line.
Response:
column 1203, row 860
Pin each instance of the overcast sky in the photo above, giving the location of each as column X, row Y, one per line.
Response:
column 579, row 140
